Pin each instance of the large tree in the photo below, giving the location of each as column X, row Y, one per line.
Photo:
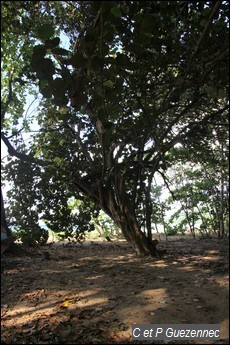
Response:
column 138, row 78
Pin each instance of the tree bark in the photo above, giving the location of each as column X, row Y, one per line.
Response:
column 5, row 231
column 112, row 197
column 221, row 212
column 125, row 218
column 3, row 217
column 138, row 240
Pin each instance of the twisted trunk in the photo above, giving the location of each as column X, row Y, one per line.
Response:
column 125, row 218
column 111, row 194
column 136, row 238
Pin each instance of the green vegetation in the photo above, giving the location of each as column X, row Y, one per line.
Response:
column 142, row 89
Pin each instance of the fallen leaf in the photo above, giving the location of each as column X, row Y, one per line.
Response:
column 98, row 309
column 67, row 303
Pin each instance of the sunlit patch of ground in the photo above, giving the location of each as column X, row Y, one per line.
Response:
column 94, row 292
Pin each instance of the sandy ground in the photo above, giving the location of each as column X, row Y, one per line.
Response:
column 92, row 293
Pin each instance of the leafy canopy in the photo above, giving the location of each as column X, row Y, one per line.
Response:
column 137, row 78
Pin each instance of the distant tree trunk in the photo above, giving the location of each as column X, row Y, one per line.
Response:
column 221, row 212
column 158, row 233
column 203, row 221
column 3, row 217
column 100, row 228
column 163, row 221
column 149, row 210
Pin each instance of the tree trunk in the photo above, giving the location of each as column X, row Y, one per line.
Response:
column 136, row 238
column 221, row 213
column 3, row 217
column 126, row 220
column 6, row 236
column 148, row 215
column 116, row 203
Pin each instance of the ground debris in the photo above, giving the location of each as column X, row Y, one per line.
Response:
column 94, row 292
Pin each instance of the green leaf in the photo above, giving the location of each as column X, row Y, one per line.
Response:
column 45, row 31
column 108, row 31
column 44, row 68
column 61, row 100
column 60, row 51
column 83, row 99
column 64, row 117
column 147, row 23
column 211, row 91
column 48, row 66
column 97, row 63
column 44, row 88
column 108, row 83
column 78, row 60
column 63, row 109
column 101, row 114
column 52, row 43
column 163, row 4
column 122, row 60
column 59, row 84
column 221, row 94
column 39, row 51
column 143, row 38
column 116, row 12
column 46, row 92
column 58, row 88
column 79, row 101
column 113, row 112
column 203, row 22
column 91, row 34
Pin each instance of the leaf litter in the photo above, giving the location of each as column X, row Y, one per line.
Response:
column 93, row 293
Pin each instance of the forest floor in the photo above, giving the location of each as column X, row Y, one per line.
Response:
column 92, row 293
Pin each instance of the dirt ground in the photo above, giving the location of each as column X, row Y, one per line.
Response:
column 92, row 293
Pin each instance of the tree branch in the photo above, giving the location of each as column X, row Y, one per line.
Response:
column 177, row 118
column 207, row 26
column 13, row 152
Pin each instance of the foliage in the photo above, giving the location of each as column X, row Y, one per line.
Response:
column 22, row 213
column 32, row 237
column 137, row 78
column 171, row 231
column 105, row 226
column 196, row 186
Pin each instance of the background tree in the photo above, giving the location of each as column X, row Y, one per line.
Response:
column 138, row 78
column 160, row 207
column 200, row 184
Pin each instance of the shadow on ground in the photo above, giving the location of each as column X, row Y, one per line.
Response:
column 93, row 293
